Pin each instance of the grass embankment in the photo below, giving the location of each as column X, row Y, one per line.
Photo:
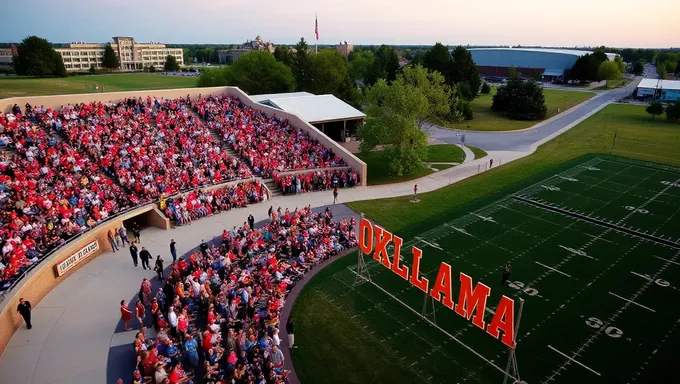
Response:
column 487, row 120
column 30, row 86
column 334, row 349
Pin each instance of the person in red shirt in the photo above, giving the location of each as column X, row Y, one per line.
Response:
column 139, row 312
column 125, row 314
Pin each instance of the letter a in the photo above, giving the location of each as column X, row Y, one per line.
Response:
column 504, row 320
column 470, row 301
column 365, row 236
column 382, row 237
column 442, row 286
column 400, row 270
column 415, row 280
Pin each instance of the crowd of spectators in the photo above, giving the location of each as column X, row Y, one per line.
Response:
column 320, row 180
column 268, row 144
column 217, row 315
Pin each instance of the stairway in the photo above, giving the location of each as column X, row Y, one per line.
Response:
column 273, row 188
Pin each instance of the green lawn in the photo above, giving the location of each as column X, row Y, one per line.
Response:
column 479, row 153
column 329, row 327
column 25, row 86
column 378, row 163
column 487, row 120
column 613, row 84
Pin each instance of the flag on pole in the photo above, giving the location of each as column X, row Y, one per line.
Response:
column 316, row 27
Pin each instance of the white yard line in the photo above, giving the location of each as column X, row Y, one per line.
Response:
column 575, row 361
column 430, row 244
column 577, row 251
column 551, row 268
column 666, row 260
column 631, row 301
column 643, row 276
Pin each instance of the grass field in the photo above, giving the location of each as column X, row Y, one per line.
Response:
column 487, row 120
column 23, row 86
column 332, row 330
column 591, row 290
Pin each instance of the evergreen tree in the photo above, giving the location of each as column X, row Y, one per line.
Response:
column 464, row 69
column 301, row 65
column 171, row 64
column 110, row 59
column 37, row 57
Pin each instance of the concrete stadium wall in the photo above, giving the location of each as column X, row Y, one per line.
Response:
column 43, row 277
column 57, row 101
column 522, row 59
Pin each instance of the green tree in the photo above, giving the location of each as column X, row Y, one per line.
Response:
column 609, row 70
column 282, row 54
column 520, row 100
column 213, row 77
column 385, row 65
column 485, row 88
column 671, row 66
column 673, row 111
column 638, row 67
column 152, row 69
column 360, row 63
column 328, row 72
column 438, row 58
column 37, row 57
column 619, row 62
column 171, row 64
column 655, row 109
column 433, row 86
column 587, row 66
column 661, row 71
column 186, row 52
column 92, row 69
column 110, row 59
column 464, row 69
column 258, row 72
column 301, row 66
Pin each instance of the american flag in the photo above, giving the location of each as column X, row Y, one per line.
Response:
column 316, row 27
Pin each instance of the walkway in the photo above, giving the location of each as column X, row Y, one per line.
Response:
column 75, row 324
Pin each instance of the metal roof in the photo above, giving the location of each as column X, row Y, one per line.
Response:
column 553, row 72
column 659, row 84
column 311, row 108
column 573, row 52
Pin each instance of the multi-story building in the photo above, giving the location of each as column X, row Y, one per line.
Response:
column 6, row 55
column 344, row 48
column 228, row 56
column 131, row 54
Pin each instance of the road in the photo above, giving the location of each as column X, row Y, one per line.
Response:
column 522, row 140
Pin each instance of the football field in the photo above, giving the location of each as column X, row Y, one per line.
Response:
column 595, row 254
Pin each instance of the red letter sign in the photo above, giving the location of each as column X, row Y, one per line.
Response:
column 382, row 237
column 415, row 280
column 504, row 320
column 400, row 270
column 442, row 286
column 469, row 300
column 365, row 236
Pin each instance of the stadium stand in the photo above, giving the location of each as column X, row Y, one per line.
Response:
column 319, row 180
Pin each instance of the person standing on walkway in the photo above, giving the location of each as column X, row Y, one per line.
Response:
column 125, row 314
column 290, row 328
column 159, row 268
column 490, row 163
column 335, row 195
column 204, row 248
column 251, row 222
column 173, row 250
column 270, row 211
column 136, row 232
column 133, row 253
column 145, row 256
column 415, row 192
column 123, row 234
column 112, row 240
column 140, row 312
column 24, row 309
column 506, row 274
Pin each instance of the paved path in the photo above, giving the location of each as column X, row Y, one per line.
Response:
column 76, row 336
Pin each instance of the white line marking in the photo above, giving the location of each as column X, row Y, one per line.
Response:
column 485, row 218
column 670, row 261
column 577, row 251
column 632, row 302
column 461, row 230
column 575, row 361
column 643, row 276
column 551, row 268
column 430, row 244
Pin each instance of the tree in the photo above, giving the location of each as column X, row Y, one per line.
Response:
column 520, row 100
column 282, row 54
column 385, row 65
column 213, row 77
column 257, row 72
column 110, row 59
column 671, row 66
column 171, row 64
column 673, row 111
column 464, row 91
column 587, row 66
column 37, row 57
column 152, row 69
column 464, row 69
column 655, row 109
column 360, row 63
column 619, row 62
column 301, row 66
column 485, row 88
column 92, row 69
column 438, row 58
column 639, row 68
column 328, row 70
column 661, row 71
column 608, row 70
column 433, row 86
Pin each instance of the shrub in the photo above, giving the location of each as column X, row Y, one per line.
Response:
column 673, row 111
column 655, row 109
column 486, row 89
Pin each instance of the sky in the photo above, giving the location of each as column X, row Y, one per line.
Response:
column 614, row 23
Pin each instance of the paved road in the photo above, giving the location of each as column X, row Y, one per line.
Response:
column 522, row 140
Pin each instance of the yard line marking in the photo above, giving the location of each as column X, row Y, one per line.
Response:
column 631, row 301
column 551, row 268
column 577, row 252
column 461, row 230
column 575, row 361
column 485, row 218
column 643, row 276
column 567, row 178
column 433, row 245
column 670, row 261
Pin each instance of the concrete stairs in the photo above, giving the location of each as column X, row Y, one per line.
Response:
column 273, row 188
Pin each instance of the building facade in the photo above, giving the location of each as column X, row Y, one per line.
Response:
column 344, row 48
column 131, row 54
column 537, row 63
column 658, row 89
column 228, row 56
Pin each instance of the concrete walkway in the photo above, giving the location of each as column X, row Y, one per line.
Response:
column 75, row 324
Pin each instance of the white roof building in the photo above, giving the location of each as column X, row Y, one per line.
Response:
column 314, row 109
column 659, row 84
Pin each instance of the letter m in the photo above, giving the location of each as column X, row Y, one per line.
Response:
column 472, row 302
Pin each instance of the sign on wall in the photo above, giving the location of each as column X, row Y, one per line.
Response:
column 75, row 259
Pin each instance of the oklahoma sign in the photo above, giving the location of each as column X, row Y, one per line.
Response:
column 471, row 301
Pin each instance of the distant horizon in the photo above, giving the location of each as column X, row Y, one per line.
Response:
column 546, row 23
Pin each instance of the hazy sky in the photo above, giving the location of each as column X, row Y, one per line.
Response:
column 618, row 23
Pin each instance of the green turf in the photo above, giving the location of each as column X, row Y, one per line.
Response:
column 479, row 153
column 559, row 302
column 487, row 120
column 24, row 86
column 441, row 167
column 379, row 171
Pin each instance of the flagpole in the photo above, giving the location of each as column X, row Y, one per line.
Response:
column 316, row 33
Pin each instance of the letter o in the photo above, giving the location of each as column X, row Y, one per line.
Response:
column 365, row 236
column 594, row 322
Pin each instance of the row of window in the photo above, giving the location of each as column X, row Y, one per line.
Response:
column 88, row 53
